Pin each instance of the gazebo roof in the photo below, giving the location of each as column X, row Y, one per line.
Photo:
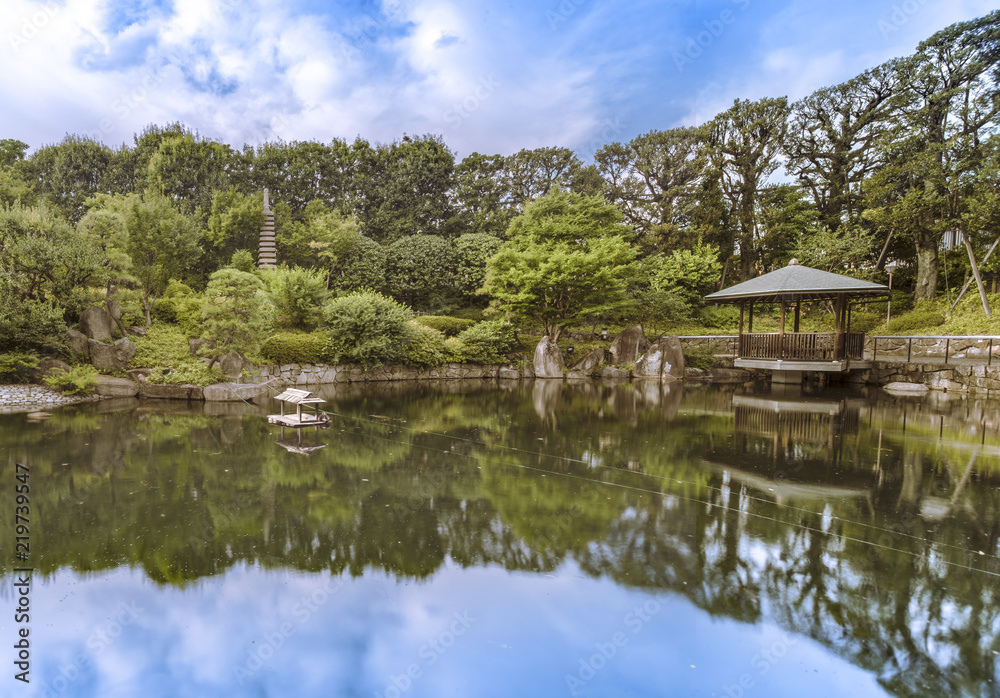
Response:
column 797, row 282
column 298, row 397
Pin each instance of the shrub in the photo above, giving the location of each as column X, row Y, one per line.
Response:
column 163, row 346
column 182, row 306
column 30, row 325
column 79, row 380
column 14, row 368
column 298, row 296
column 191, row 372
column 367, row 328
column 295, row 348
column 242, row 260
column 427, row 347
column 700, row 357
column 474, row 314
column 487, row 342
column 446, row 325
column 915, row 321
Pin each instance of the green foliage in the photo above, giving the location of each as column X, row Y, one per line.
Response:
column 233, row 224
column 15, row 367
column 420, row 271
column 692, row 273
column 367, row 328
column 920, row 320
column 30, row 325
column 471, row 252
column 242, row 260
column 180, row 305
column 488, row 342
column 427, row 347
column 162, row 242
column 474, row 314
column 322, row 240
column 700, row 357
column 295, row 348
column 362, row 267
column 298, row 296
column 164, row 346
column 566, row 259
column 448, row 326
column 238, row 313
column 79, row 380
column 191, row 372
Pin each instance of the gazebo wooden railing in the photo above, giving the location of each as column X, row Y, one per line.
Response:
column 802, row 346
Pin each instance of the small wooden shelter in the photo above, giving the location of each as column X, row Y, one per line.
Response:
column 299, row 419
column 794, row 352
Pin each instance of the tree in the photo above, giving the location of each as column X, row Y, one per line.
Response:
column 322, row 240
column 419, row 271
column 566, row 258
column 65, row 175
column 480, row 196
column 362, row 267
column 162, row 242
column 237, row 314
column 656, row 180
column 187, row 170
column 745, row 143
column 233, row 224
column 935, row 147
column 472, row 251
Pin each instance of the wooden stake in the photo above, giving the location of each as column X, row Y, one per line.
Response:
column 979, row 279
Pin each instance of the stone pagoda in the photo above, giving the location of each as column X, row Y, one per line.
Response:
column 266, row 253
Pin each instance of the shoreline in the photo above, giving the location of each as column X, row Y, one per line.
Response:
column 33, row 397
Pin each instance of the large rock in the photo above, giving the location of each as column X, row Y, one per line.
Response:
column 78, row 346
column 95, row 322
column 614, row 375
column 228, row 392
column 548, row 361
column 111, row 357
column 231, row 365
column 673, row 358
column 906, row 388
column 590, row 362
column 47, row 367
column 110, row 386
column 172, row 392
column 629, row 346
column 662, row 361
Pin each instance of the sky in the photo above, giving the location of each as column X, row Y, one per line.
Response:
column 488, row 77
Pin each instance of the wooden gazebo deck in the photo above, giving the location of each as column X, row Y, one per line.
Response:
column 782, row 351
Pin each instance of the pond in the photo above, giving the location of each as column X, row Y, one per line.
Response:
column 545, row 539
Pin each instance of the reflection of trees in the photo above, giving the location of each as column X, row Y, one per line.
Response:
column 615, row 482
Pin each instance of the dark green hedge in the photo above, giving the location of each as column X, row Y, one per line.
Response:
column 295, row 348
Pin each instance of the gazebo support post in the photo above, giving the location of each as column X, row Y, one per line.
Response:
column 797, row 310
column 840, row 339
column 739, row 338
column 781, row 333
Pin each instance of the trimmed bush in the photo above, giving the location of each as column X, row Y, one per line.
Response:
column 367, row 328
column 427, row 348
column 446, row 325
column 487, row 342
column 474, row 314
column 163, row 346
column 295, row 348
column 14, row 368
column 79, row 380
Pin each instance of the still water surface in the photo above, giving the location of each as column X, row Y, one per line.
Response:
column 540, row 540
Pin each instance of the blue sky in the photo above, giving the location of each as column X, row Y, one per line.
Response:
column 492, row 77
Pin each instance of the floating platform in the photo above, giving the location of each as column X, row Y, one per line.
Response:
column 297, row 421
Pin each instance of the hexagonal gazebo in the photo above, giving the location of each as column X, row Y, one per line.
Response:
column 788, row 354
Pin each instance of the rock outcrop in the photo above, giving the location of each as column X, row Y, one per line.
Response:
column 548, row 361
column 629, row 346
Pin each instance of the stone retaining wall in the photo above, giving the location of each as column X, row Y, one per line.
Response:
column 981, row 380
column 311, row 374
